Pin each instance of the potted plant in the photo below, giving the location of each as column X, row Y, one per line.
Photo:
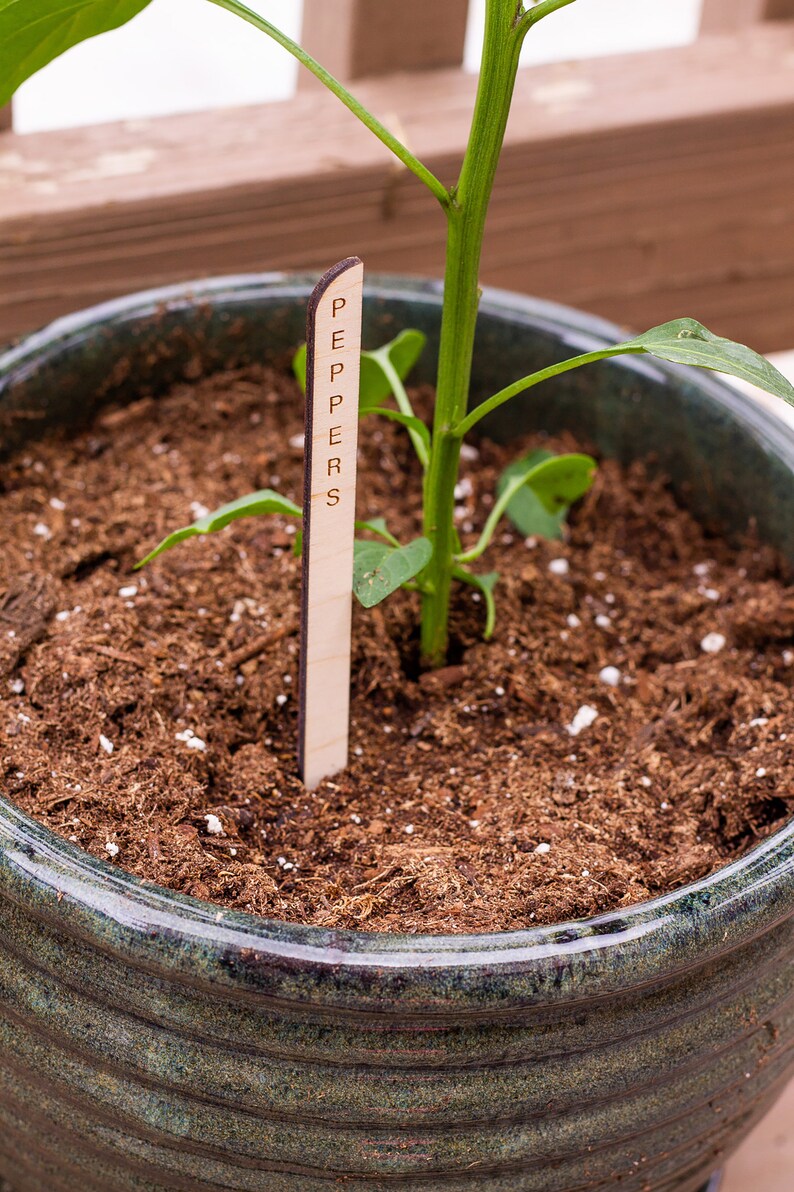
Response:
column 157, row 1041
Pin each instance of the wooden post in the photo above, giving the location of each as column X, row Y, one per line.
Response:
column 726, row 16
column 6, row 118
column 358, row 38
column 779, row 10
column 333, row 342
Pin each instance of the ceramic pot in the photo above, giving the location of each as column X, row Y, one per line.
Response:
column 151, row 1042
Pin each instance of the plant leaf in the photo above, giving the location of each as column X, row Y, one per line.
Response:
column 685, row 341
column 486, row 585
column 561, row 480
column 33, row 32
column 402, row 352
column 299, row 366
column 379, row 569
column 408, row 420
column 251, row 505
column 377, row 525
column 525, row 509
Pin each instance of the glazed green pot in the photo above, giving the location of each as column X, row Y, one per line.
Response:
column 151, row 1042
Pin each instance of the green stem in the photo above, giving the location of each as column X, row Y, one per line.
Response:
column 372, row 123
column 466, row 217
column 529, row 382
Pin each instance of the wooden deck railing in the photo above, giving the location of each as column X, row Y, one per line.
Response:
column 641, row 187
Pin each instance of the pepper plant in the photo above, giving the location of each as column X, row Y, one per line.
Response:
column 533, row 491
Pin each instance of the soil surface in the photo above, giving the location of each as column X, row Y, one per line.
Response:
column 151, row 717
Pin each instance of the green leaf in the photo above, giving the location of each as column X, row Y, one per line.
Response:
column 33, row 32
column 486, row 585
column 408, row 420
column 402, row 353
column 685, row 341
column 252, row 505
column 561, row 480
column 525, row 509
column 299, row 366
column 379, row 569
column 377, row 525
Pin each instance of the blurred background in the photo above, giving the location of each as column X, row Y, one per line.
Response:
column 647, row 174
column 180, row 56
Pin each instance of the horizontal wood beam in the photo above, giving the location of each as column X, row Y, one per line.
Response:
column 780, row 10
column 355, row 39
column 643, row 188
column 724, row 16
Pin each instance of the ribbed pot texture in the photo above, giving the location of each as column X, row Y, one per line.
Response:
column 151, row 1042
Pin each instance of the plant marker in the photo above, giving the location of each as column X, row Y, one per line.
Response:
column 333, row 340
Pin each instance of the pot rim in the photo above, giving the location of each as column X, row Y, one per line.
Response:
column 616, row 951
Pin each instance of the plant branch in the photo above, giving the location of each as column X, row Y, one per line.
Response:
column 419, row 438
column 539, row 11
column 529, row 382
column 476, row 581
column 494, row 517
column 355, row 106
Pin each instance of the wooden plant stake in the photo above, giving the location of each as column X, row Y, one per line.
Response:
column 329, row 506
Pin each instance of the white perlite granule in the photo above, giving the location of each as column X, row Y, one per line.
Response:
column 610, row 675
column 583, row 719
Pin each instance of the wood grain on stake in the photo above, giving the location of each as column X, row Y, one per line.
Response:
column 329, row 508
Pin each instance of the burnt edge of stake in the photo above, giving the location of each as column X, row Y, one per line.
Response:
column 315, row 298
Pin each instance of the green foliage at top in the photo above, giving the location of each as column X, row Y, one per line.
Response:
column 33, row 32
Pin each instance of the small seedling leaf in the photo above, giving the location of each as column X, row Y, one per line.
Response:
column 33, row 32
column 377, row 525
column 407, row 420
column 561, row 480
column 379, row 569
column 402, row 353
column 685, row 341
column 251, row 505
column 299, row 366
column 525, row 509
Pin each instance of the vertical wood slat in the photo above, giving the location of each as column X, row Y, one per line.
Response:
column 726, row 16
column 362, row 38
column 780, row 10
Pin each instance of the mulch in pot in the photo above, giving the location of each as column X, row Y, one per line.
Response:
column 151, row 717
